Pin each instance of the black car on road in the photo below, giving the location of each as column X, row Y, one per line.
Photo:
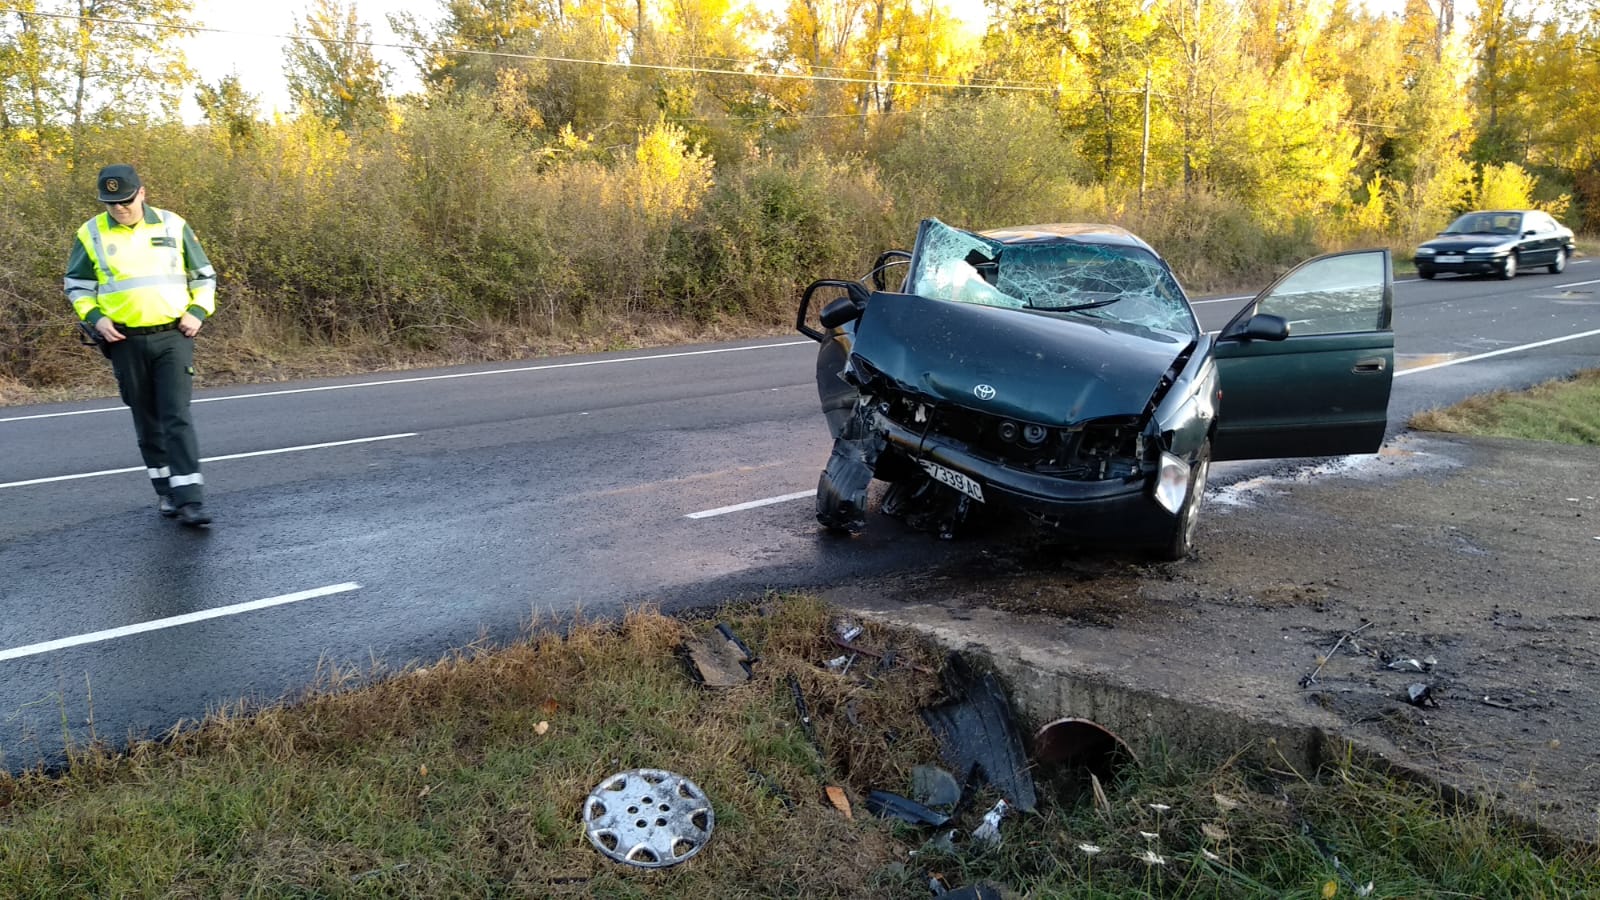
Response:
column 1499, row 242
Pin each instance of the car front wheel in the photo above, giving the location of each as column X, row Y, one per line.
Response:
column 1559, row 264
column 1180, row 541
column 1424, row 273
column 1509, row 270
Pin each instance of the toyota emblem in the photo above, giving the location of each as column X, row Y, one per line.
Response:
column 984, row 391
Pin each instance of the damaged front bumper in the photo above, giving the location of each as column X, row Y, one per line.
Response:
column 1115, row 507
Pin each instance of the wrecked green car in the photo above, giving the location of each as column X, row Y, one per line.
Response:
column 1059, row 371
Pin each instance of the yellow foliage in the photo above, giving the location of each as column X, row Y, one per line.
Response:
column 671, row 177
column 1371, row 217
column 1505, row 186
column 1560, row 207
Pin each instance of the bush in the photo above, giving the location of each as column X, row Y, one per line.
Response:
column 1212, row 243
column 774, row 225
column 982, row 164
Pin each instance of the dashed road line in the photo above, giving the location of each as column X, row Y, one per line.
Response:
column 740, row 507
column 109, row 634
column 211, row 459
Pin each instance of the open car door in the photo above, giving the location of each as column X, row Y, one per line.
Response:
column 1319, row 387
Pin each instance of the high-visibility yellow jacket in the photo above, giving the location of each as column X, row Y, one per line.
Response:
column 148, row 273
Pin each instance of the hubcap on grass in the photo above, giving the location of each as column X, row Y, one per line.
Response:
column 648, row 817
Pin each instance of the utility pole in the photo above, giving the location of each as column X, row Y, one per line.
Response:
column 1144, row 154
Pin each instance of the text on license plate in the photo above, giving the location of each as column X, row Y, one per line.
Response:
column 1448, row 257
column 954, row 479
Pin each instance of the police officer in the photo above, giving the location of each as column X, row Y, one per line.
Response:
column 138, row 278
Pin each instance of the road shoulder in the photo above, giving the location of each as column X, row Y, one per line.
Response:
column 1475, row 557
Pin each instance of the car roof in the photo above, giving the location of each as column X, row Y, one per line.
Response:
column 1088, row 233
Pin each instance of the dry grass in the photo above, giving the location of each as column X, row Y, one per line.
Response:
column 1565, row 411
column 439, row 782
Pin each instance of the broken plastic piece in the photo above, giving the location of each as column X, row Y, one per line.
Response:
column 944, row 842
column 1409, row 665
column 988, row 831
column 842, row 489
column 727, row 632
column 1421, row 695
column 887, row 655
column 804, row 713
column 847, row 630
column 893, row 806
column 933, row 786
column 977, row 729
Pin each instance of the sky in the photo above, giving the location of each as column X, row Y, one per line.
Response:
column 238, row 46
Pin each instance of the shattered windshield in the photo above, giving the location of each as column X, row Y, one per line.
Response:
column 1053, row 274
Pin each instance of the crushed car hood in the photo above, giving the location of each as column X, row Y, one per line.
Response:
column 1052, row 370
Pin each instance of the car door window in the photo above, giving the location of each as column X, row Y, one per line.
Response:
column 1332, row 295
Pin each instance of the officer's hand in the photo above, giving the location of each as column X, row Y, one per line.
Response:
column 108, row 330
column 189, row 325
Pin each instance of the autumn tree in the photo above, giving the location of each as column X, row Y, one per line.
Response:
column 72, row 63
column 330, row 67
column 226, row 104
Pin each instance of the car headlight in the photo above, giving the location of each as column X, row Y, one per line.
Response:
column 1426, row 251
column 1485, row 251
column 1172, row 483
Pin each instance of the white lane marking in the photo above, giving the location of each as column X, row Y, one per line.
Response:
column 94, row 637
column 1502, row 352
column 740, row 507
column 420, row 378
column 208, row 459
column 1574, row 284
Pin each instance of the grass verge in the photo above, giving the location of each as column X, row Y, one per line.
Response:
column 466, row 779
column 1565, row 411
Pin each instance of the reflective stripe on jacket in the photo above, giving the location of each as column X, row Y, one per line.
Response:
column 143, row 276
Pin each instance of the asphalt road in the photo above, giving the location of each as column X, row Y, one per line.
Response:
column 377, row 521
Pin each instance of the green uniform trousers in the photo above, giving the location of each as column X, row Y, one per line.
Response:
column 155, row 374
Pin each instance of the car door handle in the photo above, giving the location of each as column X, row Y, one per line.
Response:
column 1375, row 364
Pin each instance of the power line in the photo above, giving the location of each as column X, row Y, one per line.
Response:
column 889, row 79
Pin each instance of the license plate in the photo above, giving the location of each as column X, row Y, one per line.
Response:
column 954, row 479
column 1449, row 257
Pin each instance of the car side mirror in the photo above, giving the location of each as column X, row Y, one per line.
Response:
column 1529, row 233
column 1261, row 327
column 841, row 311
column 855, row 298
